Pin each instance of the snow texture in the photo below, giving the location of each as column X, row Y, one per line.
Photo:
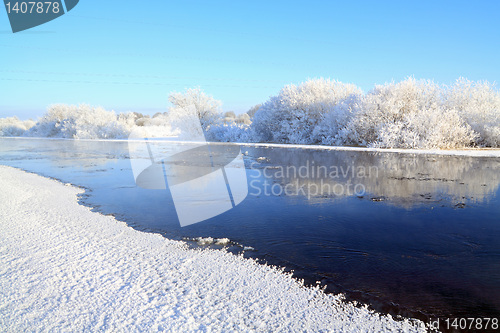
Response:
column 65, row 268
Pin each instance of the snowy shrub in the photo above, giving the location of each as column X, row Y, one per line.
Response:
column 207, row 108
column 436, row 128
column 253, row 110
column 479, row 104
column 408, row 114
column 86, row 122
column 229, row 114
column 142, row 121
column 12, row 126
column 299, row 114
column 243, row 118
column 128, row 119
column 229, row 117
column 229, row 133
column 79, row 122
column 333, row 129
column 156, row 127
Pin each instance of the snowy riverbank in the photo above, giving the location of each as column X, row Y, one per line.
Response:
column 65, row 268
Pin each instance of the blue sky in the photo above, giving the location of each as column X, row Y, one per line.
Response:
column 128, row 55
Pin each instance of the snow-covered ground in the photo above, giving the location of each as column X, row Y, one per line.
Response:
column 65, row 268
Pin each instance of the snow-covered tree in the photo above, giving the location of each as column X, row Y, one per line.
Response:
column 333, row 127
column 79, row 122
column 479, row 104
column 12, row 126
column 293, row 115
column 207, row 108
column 408, row 114
column 234, row 132
column 243, row 118
column 253, row 110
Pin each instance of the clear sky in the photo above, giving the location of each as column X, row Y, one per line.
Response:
column 128, row 55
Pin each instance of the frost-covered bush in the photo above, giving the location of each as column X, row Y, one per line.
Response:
column 243, row 118
column 436, row 128
column 479, row 104
column 12, row 126
column 229, row 114
column 87, row 122
column 300, row 114
column 333, row 128
column 208, row 109
column 408, row 114
column 229, row 117
column 253, row 110
column 79, row 122
column 229, row 133
column 156, row 127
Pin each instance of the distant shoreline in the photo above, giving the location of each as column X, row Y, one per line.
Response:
column 472, row 152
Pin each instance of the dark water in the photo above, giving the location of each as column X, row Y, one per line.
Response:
column 411, row 235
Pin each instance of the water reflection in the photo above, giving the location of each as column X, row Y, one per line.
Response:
column 62, row 153
column 405, row 180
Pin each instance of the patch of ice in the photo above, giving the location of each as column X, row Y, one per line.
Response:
column 222, row 241
column 209, row 240
column 204, row 241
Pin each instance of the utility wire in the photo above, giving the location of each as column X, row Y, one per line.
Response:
column 159, row 77
column 204, row 29
column 126, row 83
column 149, row 55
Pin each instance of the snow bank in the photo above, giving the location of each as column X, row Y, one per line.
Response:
column 65, row 268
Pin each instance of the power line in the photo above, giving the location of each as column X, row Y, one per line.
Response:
column 160, row 77
column 204, row 29
column 160, row 56
column 126, row 83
